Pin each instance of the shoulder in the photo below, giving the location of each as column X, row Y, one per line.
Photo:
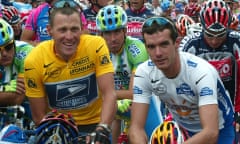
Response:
column 146, row 67
column 91, row 39
column 191, row 40
column 131, row 40
column 42, row 49
column 195, row 63
column 19, row 43
column 233, row 35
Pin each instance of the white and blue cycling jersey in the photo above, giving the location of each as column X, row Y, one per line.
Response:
column 197, row 84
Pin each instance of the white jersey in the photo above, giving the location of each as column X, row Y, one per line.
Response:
column 197, row 84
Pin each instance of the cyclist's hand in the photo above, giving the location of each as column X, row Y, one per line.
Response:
column 11, row 87
column 99, row 136
column 237, row 121
column 124, row 105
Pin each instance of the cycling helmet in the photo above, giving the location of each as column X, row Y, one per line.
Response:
column 234, row 23
column 12, row 134
column 215, row 15
column 179, row 7
column 10, row 14
column 182, row 24
column 6, row 32
column 165, row 5
column 57, row 128
column 111, row 17
column 194, row 28
column 192, row 10
column 168, row 133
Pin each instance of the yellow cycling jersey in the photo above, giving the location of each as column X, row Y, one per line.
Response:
column 69, row 86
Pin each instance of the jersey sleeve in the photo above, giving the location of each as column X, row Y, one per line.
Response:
column 142, row 90
column 32, row 74
column 22, row 50
column 136, row 52
column 103, row 63
column 207, row 81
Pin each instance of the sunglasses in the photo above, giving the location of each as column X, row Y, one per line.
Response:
column 63, row 4
column 210, row 35
column 161, row 21
column 158, row 20
column 8, row 46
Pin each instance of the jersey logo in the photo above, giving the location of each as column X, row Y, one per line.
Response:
column 31, row 83
column 154, row 81
column 138, row 76
column 47, row 65
column 206, row 91
column 28, row 69
column 104, row 60
column 137, row 90
column 200, row 79
column 72, row 89
column 74, row 93
column 99, row 49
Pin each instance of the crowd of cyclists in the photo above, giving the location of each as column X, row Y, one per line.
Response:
column 72, row 63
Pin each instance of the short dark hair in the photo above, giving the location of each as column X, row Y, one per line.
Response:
column 156, row 27
column 65, row 11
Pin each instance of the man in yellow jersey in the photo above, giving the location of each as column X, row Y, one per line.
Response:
column 71, row 73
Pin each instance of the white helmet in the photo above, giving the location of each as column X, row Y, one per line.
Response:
column 194, row 28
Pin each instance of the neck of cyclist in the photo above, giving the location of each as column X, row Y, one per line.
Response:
column 96, row 7
column 137, row 11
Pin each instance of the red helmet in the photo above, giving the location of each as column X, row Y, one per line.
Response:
column 182, row 24
column 234, row 23
column 215, row 15
column 192, row 9
column 10, row 14
column 57, row 127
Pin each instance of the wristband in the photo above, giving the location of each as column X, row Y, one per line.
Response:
column 105, row 127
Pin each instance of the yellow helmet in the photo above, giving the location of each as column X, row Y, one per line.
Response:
column 168, row 133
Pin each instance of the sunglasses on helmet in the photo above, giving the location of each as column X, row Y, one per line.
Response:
column 161, row 21
column 63, row 4
column 158, row 20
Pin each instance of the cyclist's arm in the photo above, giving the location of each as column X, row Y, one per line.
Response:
column 209, row 120
column 14, row 94
column 137, row 132
column 126, row 94
column 106, row 86
column 27, row 36
column 38, row 108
